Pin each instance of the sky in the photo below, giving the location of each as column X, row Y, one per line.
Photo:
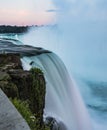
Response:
column 30, row 12
column 26, row 12
column 83, row 9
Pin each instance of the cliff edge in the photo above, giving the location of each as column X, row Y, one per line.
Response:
column 26, row 90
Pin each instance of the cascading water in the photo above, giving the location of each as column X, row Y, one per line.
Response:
column 63, row 100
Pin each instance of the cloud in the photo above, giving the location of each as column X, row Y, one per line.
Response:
column 51, row 10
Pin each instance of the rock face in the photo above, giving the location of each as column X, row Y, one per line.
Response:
column 10, row 61
column 10, row 119
column 24, row 85
column 54, row 124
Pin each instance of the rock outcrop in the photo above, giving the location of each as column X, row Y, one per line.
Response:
column 25, row 85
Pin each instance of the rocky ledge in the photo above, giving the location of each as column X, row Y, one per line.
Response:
column 26, row 89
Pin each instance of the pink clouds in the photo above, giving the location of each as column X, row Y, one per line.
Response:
column 25, row 12
column 25, row 17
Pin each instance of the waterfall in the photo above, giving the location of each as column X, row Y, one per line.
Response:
column 63, row 100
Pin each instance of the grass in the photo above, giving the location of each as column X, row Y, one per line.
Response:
column 24, row 110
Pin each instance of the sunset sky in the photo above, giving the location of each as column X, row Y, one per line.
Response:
column 31, row 12
column 26, row 12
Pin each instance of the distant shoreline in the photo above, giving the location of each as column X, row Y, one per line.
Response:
column 13, row 29
column 18, row 29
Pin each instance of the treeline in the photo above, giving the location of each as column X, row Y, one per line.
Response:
column 13, row 29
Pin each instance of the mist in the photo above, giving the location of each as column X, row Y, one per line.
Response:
column 79, row 39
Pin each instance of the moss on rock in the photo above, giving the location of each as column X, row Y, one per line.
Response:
column 37, row 92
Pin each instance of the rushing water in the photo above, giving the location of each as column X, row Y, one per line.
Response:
column 63, row 100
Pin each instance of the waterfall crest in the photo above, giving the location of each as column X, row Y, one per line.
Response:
column 63, row 100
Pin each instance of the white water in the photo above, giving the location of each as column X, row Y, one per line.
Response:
column 63, row 100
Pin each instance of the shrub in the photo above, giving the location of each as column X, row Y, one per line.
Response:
column 23, row 108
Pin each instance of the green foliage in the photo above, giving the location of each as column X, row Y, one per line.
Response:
column 24, row 110
column 37, row 94
column 36, row 70
column 37, row 90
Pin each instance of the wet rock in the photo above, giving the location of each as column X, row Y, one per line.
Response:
column 54, row 124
